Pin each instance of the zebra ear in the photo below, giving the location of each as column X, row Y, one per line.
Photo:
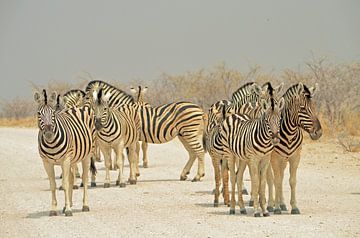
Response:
column 59, row 102
column 278, row 89
column 145, row 89
column 314, row 89
column 95, row 96
column 53, row 97
column 37, row 97
column 133, row 90
column 281, row 103
column 256, row 89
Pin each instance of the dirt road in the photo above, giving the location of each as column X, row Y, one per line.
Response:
column 162, row 206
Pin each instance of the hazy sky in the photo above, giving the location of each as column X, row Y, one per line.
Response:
column 124, row 40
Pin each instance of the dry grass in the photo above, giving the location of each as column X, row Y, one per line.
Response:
column 24, row 122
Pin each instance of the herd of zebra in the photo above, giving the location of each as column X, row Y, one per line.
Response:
column 257, row 127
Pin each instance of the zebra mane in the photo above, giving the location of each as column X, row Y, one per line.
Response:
column 70, row 92
column 45, row 96
column 96, row 84
column 292, row 90
column 242, row 88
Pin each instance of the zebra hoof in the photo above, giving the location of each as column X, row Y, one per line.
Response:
column 277, row 211
column 216, row 204
column 106, row 185
column 270, row 208
column 196, row 179
column 93, row 184
column 183, row 177
column 117, row 182
column 232, row 211
column 122, row 185
column 266, row 214
column 85, row 209
column 75, row 187
column 145, row 165
column 68, row 213
column 243, row 211
column 61, row 188
column 53, row 213
column 63, row 210
column 251, row 203
column 295, row 211
column 132, row 181
column 283, row 207
column 81, row 185
column 77, row 175
column 257, row 214
column 245, row 192
column 137, row 174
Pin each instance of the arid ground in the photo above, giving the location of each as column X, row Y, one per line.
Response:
column 162, row 206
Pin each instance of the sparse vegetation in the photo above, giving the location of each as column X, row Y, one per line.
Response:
column 337, row 101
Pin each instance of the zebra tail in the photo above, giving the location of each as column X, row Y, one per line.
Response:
column 204, row 138
column 92, row 166
column 204, row 142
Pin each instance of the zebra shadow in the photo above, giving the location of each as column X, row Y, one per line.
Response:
column 37, row 215
column 158, row 180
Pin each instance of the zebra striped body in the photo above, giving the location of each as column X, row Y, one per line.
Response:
column 162, row 124
column 65, row 138
column 118, row 128
column 250, row 141
column 298, row 113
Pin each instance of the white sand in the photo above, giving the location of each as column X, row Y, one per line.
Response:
column 162, row 206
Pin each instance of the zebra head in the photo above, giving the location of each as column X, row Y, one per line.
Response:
column 101, row 108
column 216, row 114
column 46, row 112
column 272, row 109
column 303, row 104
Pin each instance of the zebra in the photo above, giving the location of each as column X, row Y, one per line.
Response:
column 249, row 141
column 247, row 104
column 117, row 128
column 139, row 93
column 161, row 124
column 65, row 138
column 298, row 112
column 75, row 98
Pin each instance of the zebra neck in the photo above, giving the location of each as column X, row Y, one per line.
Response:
column 289, row 121
column 263, row 127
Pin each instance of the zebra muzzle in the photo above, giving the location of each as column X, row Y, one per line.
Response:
column 275, row 139
column 98, row 125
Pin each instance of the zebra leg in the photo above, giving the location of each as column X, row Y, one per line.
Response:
column 65, row 166
column 294, row 163
column 77, row 174
column 144, row 147
column 93, row 171
column 133, row 162
column 120, row 164
column 264, row 165
column 85, row 174
column 270, row 183
column 74, row 172
column 239, row 181
column 215, row 162
column 49, row 168
column 276, row 164
column 72, row 178
column 107, row 158
column 190, row 162
column 225, row 181
column 254, row 175
column 231, row 164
